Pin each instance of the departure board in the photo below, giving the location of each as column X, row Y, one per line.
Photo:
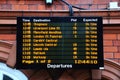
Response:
column 59, row 42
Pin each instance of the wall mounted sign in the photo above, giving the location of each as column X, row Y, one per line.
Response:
column 59, row 42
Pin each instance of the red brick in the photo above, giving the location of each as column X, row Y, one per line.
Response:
column 110, row 36
column 93, row 7
column 58, row 2
column 76, row 8
column 33, row 7
column 107, row 43
column 50, row 7
column 41, row 7
column 84, row 6
column 28, row 72
column 0, row 7
column 110, row 49
column 6, row 7
column 102, row 7
column 23, row 7
column 7, row 37
column 15, row 7
column 15, row 1
column 21, row 1
column 117, row 55
column 65, row 7
column 65, row 76
column 118, row 36
column 101, row 1
column 108, row 55
column 59, row 7
column 114, row 59
column 3, row 1
column 19, row 7
column 43, row 73
column 34, row 2
column 119, row 61
column 77, row 1
column 116, row 43
column 83, row 2
column 3, row 55
column 118, row 49
column 115, row 0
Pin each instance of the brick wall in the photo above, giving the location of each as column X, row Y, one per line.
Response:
column 112, row 47
column 57, row 4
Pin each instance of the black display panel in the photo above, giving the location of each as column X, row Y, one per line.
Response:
column 59, row 42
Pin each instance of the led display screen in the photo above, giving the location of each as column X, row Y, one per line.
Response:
column 59, row 42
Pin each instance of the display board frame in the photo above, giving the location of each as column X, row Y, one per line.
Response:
column 70, row 22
